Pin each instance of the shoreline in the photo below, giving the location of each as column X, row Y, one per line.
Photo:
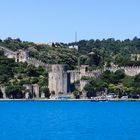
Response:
column 70, row 100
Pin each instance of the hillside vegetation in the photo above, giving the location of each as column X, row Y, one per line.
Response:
column 14, row 75
column 94, row 53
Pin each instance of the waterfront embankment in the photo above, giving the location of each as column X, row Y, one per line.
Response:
column 76, row 100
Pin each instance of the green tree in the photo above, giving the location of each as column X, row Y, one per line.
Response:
column 137, row 81
column 31, row 71
column 77, row 94
column 1, row 94
column 90, row 89
column 128, row 81
column 46, row 91
column 14, row 92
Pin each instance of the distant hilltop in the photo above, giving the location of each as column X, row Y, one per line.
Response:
column 95, row 53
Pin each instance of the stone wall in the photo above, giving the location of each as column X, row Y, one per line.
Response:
column 33, row 89
column 74, row 75
column 82, row 84
column 36, row 62
column 22, row 56
column 3, row 91
column 8, row 53
column 130, row 71
column 36, row 90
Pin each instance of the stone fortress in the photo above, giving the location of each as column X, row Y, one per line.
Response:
column 61, row 80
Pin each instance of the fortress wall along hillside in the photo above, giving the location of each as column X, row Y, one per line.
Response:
column 22, row 56
column 130, row 71
column 60, row 78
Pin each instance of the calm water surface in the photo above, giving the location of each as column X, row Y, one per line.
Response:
column 69, row 120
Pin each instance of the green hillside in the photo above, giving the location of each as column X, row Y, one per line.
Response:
column 94, row 53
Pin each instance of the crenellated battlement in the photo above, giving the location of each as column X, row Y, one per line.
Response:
column 131, row 71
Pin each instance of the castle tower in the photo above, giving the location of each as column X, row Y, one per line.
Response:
column 22, row 56
column 58, row 79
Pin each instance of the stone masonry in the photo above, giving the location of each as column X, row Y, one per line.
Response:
column 58, row 79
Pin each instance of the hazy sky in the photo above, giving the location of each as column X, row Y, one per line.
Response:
column 57, row 20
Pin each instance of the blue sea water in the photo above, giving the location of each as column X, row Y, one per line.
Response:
column 69, row 120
